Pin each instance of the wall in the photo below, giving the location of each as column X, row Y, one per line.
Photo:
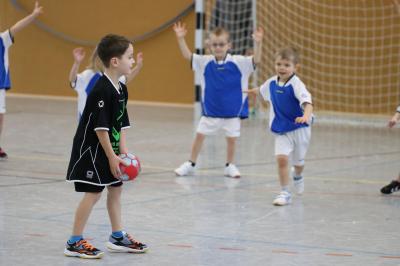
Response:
column 40, row 62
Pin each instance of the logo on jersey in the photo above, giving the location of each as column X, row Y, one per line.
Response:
column 101, row 103
column 89, row 174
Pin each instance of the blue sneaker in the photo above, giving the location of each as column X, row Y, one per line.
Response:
column 283, row 198
column 82, row 249
column 126, row 243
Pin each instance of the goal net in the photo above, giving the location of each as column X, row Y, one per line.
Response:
column 349, row 50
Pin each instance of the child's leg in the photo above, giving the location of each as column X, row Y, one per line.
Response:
column 83, row 211
column 114, row 207
column 230, row 149
column 298, row 169
column 283, row 170
column 196, row 146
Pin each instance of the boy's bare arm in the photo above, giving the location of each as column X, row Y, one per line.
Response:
column 113, row 159
column 180, row 32
column 308, row 109
column 122, row 142
column 395, row 119
column 136, row 69
column 79, row 55
column 26, row 20
column 258, row 37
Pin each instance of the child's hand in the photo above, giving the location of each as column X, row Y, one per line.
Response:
column 180, row 30
column 114, row 166
column 79, row 54
column 258, row 35
column 393, row 121
column 37, row 10
column 301, row 120
column 139, row 59
column 252, row 91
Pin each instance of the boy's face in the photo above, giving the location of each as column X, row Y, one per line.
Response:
column 219, row 45
column 284, row 68
column 125, row 62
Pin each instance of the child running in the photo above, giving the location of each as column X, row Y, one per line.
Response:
column 289, row 120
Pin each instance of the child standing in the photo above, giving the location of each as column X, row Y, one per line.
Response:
column 6, row 40
column 84, row 82
column 395, row 184
column 223, row 78
column 289, row 120
column 99, row 139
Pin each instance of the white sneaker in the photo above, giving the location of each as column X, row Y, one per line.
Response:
column 231, row 171
column 298, row 183
column 185, row 169
column 283, row 198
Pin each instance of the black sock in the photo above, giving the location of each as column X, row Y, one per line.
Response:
column 193, row 163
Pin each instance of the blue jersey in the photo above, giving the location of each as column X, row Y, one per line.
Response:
column 6, row 40
column 286, row 103
column 222, row 84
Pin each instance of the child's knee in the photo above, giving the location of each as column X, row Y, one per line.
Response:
column 282, row 160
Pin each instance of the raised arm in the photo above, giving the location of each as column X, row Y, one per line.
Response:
column 136, row 69
column 180, row 32
column 395, row 119
column 258, row 37
column 26, row 20
column 79, row 55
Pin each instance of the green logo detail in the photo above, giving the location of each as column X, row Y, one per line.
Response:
column 115, row 134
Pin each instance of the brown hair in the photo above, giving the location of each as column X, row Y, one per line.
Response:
column 111, row 46
column 288, row 53
column 95, row 62
column 218, row 31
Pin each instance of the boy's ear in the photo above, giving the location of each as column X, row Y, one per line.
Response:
column 229, row 45
column 114, row 61
column 297, row 66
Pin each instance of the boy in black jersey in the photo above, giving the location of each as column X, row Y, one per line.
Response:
column 98, row 141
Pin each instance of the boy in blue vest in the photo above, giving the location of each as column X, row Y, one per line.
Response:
column 6, row 40
column 223, row 79
column 290, row 119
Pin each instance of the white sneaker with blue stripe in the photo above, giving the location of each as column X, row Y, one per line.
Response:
column 283, row 198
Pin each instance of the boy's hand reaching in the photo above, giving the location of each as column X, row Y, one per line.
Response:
column 258, row 35
column 393, row 121
column 79, row 54
column 37, row 10
column 301, row 120
column 139, row 59
column 180, row 29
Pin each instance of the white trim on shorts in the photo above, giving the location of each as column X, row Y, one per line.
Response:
column 211, row 125
column 294, row 144
column 2, row 101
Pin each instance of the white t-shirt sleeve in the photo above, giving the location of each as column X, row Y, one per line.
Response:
column 301, row 93
column 123, row 79
column 7, row 38
column 82, row 79
column 245, row 64
column 264, row 90
column 199, row 62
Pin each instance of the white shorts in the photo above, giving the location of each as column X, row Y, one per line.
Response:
column 211, row 125
column 2, row 101
column 294, row 144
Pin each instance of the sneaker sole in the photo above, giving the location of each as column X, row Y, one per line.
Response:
column 82, row 256
column 119, row 249
column 236, row 176
column 281, row 204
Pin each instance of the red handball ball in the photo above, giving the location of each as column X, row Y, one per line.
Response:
column 131, row 169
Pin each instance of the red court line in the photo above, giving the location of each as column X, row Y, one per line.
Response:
column 390, row 257
column 339, row 254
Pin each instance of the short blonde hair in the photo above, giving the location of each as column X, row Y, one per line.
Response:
column 288, row 53
column 218, row 31
column 95, row 62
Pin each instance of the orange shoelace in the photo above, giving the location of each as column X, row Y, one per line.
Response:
column 133, row 240
column 86, row 244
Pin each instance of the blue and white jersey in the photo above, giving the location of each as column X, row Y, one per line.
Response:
column 286, row 103
column 222, row 84
column 84, row 84
column 6, row 40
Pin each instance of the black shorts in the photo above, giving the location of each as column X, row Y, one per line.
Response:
column 85, row 187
